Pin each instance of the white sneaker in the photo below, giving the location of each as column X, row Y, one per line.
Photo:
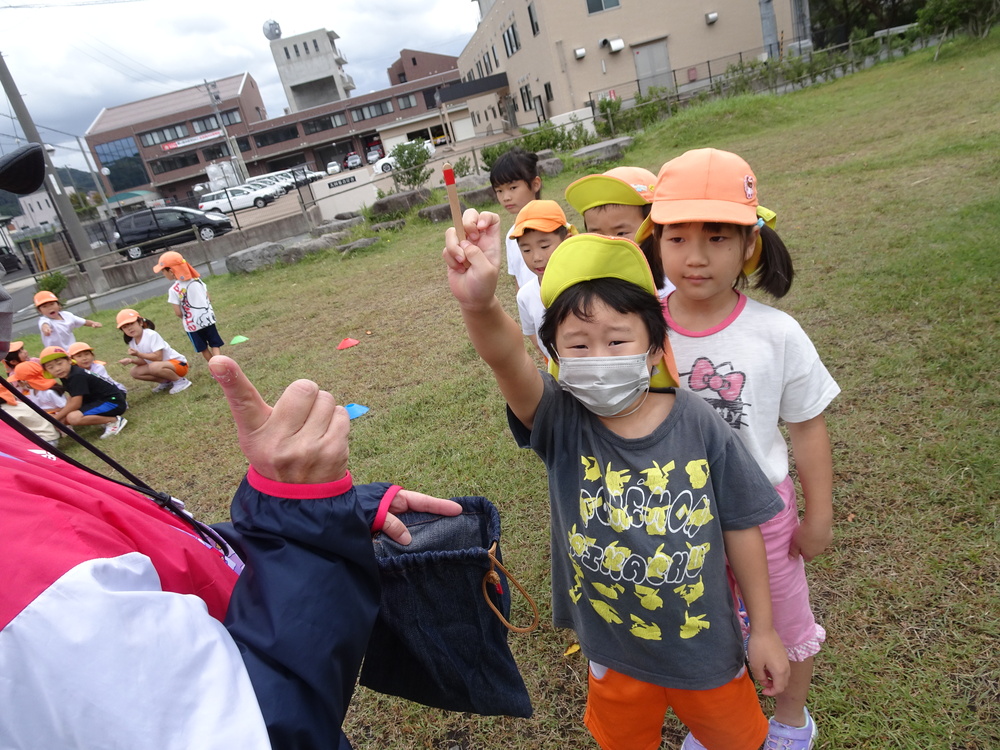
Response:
column 179, row 385
column 164, row 386
column 113, row 428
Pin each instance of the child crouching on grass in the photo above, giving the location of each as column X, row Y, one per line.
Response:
column 90, row 400
column 154, row 359
column 650, row 493
column 82, row 354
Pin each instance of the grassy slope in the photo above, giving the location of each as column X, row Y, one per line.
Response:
column 887, row 185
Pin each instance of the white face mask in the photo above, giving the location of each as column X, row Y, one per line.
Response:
column 605, row 385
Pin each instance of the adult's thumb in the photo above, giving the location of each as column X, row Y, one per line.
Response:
column 249, row 410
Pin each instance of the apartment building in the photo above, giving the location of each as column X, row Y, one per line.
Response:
column 311, row 69
column 542, row 59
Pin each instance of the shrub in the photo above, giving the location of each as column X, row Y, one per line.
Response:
column 462, row 167
column 493, row 152
column 411, row 158
column 54, row 282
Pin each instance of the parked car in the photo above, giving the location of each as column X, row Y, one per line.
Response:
column 353, row 161
column 169, row 225
column 333, row 167
column 440, row 140
column 8, row 260
column 234, row 199
column 274, row 187
column 373, row 156
column 388, row 163
column 284, row 181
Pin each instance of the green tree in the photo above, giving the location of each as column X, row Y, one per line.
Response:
column 411, row 158
column 977, row 17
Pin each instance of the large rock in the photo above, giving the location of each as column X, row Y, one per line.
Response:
column 439, row 213
column 358, row 244
column 610, row 150
column 345, row 215
column 550, row 167
column 400, row 203
column 261, row 256
column 336, row 226
column 472, row 181
column 481, row 197
column 545, row 153
column 389, row 226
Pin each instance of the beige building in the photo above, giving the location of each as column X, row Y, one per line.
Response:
column 311, row 69
column 560, row 56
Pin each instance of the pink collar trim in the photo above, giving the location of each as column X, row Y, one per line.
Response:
column 740, row 304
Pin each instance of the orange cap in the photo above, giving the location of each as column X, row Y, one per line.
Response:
column 42, row 297
column 126, row 316
column 705, row 185
column 175, row 261
column 545, row 216
column 32, row 374
column 79, row 346
column 625, row 186
column 15, row 346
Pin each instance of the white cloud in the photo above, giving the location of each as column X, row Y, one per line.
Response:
column 70, row 62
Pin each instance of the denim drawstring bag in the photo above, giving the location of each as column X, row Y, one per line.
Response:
column 440, row 638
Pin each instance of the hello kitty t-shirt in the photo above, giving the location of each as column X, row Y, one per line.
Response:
column 754, row 368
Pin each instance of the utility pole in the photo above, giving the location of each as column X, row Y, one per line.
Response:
column 234, row 150
column 57, row 193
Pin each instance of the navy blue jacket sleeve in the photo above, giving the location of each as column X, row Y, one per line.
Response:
column 304, row 606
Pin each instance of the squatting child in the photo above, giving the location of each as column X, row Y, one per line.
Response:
column 82, row 354
column 153, row 358
column 89, row 399
column 650, row 493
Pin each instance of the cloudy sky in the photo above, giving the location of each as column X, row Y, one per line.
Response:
column 70, row 60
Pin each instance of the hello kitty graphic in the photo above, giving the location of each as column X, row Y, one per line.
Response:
column 726, row 385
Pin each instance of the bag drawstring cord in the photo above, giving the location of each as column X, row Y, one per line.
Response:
column 492, row 577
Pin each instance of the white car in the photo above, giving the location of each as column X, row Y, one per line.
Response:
column 274, row 188
column 234, row 199
column 333, row 167
column 388, row 163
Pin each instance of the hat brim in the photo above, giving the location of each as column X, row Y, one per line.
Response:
column 710, row 211
column 23, row 170
column 601, row 190
column 539, row 225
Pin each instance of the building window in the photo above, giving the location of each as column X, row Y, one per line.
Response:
column 406, row 102
column 488, row 64
column 205, row 124
column 511, row 41
column 287, row 56
column 479, row 68
column 414, row 61
column 596, row 6
column 329, row 122
column 278, row 135
column 163, row 135
column 533, row 18
column 171, row 163
column 496, row 60
column 548, row 92
column 526, row 101
column 315, row 45
column 231, row 117
column 402, row 77
column 371, row 110
column 295, row 47
column 219, row 151
column 305, row 47
column 122, row 158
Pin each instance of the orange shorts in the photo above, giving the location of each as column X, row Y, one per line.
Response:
column 627, row 714
column 181, row 368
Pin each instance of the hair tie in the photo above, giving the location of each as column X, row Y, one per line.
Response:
column 759, row 224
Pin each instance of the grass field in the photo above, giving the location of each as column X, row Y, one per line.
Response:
column 887, row 188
